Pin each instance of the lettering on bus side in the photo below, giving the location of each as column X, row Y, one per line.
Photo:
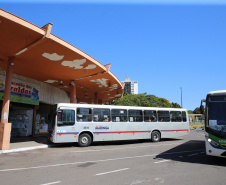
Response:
column 102, row 127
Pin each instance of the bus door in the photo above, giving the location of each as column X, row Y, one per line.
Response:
column 65, row 126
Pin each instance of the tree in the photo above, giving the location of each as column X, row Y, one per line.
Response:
column 175, row 105
column 197, row 111
column 190, row 112
column 143, row 100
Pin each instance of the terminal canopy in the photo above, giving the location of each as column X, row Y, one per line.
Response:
column 45, row 57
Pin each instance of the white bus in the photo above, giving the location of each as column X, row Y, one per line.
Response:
column 87, row 123
column 215, row 123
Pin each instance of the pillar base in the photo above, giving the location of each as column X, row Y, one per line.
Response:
column 5, row 130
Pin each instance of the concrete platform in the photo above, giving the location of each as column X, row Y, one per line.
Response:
column 27, row 143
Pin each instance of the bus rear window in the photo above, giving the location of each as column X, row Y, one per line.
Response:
column 65, row 117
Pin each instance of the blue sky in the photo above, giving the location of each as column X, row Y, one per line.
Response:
column 164, row 45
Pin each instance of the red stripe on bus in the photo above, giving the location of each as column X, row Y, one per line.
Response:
column 67, row 133
column 174, row 131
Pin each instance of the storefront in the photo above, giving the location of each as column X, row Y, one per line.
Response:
column 31, row 105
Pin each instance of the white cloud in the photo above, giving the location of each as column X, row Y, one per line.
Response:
column 53, row 56
column 76, row 64
column 101, row 82
column 91, row 66
column 114, row 86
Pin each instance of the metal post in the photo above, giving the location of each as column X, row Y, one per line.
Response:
column 181, row 98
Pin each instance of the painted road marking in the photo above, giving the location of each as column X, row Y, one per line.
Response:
column 101, row 160
column 112, row 171
column 196, row 154
column 193, row 154
column 57, row 182
column 162, row 161
column 110, row 149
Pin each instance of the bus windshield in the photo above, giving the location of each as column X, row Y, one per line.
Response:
column 217, row 117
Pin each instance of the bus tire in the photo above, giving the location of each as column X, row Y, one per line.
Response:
column 84, row 140
column 155, row 136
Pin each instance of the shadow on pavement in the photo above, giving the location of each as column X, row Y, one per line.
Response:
column 41, row 140
column 111, row 143
column 191, row 152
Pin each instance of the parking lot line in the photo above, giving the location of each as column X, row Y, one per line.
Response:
column 57, row 182
column 162, row 161
column 112, row 171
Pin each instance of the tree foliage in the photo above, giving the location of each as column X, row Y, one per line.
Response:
column 144, row 100
column 197, row 111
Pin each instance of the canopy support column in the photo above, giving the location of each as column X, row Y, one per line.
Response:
column 95, row 98
column 5, row 127
column 73, row 92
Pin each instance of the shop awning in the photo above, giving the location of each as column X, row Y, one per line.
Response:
column 43, row 56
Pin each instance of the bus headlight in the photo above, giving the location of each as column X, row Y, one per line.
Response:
column 212, row 142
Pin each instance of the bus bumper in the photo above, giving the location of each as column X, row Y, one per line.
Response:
column 210, row 150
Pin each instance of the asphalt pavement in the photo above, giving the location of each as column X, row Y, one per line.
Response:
column 171, row 161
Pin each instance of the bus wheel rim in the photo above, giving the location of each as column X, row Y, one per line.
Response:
column 84, row 140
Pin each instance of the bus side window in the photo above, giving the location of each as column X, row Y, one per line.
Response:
column 101, row 115
column 84, row 114
column 175, row 116
column 163, row 116
column 150, row 116
column 135, row 116
column 119, row 115
column 65, row 118
column 184, row 116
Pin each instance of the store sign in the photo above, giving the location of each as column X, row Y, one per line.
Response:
column 21, row 91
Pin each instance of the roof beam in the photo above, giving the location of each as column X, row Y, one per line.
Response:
column 47, row 28
column 107, row 67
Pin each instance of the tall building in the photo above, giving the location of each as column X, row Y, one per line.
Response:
column 130, row 86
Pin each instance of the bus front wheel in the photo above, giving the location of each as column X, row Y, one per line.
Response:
column 155, row 136
column 84, row 140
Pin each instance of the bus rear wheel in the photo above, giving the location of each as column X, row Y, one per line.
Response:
column 155, row 136
column 84, row 140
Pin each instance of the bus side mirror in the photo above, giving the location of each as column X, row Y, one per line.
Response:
column 202, row 107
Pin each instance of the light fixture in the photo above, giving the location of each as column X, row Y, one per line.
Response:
column 86, row 95
column 61, row 85
column 73, row 82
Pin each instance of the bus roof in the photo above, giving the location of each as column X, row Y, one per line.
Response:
column 217, row 93
column 115, row 107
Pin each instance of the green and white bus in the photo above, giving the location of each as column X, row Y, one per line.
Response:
column 215, row 123
column 87, row 123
